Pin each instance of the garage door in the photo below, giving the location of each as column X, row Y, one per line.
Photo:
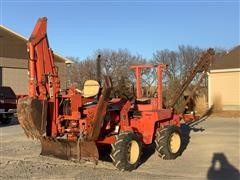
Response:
column 224, row 89
column 16, row 78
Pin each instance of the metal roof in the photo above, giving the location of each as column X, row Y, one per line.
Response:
column 14, row 45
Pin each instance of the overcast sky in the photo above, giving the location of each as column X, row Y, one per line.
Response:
column 78, row 28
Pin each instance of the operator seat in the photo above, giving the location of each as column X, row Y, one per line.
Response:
column 90, row 88
column 143, row 101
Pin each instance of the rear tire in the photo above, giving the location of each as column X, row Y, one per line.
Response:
column 126, row 151
column 168, row 142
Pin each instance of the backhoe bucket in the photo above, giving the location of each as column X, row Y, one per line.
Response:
column 32, row 116
column 70, row 150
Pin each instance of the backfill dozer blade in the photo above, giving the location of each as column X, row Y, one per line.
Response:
column 70, row 150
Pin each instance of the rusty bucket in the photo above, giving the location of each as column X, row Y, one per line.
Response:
column 32, row 116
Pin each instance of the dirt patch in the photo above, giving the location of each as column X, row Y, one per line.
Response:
column 20, row 159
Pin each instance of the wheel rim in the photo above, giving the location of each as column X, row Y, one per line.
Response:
column 133, row 152
column 175, row 142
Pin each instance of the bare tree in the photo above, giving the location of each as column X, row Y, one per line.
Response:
column 114, row 63
column 82, row 71
column 179, row 63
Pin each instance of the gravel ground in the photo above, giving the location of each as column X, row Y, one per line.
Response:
column 211, row 152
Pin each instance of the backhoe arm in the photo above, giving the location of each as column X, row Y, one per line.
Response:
column 43, row 76
column 37, row 113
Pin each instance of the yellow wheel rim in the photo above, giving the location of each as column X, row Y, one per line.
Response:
column 175, row 142
column 133, row 152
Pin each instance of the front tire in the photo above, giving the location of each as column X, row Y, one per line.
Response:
column 126, row 151
column 168, row 142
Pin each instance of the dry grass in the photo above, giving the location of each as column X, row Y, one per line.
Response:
column 217, row 104
column 201, row 106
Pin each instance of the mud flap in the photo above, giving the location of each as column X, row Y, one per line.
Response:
column 70, row 150
column 32, row 116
